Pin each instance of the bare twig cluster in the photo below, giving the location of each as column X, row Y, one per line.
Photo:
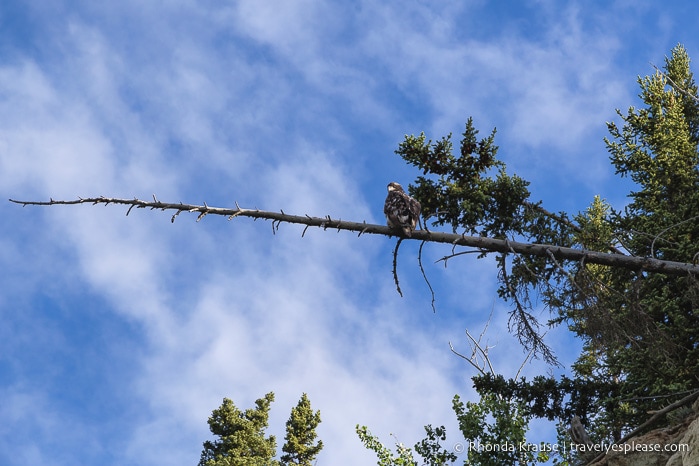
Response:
column 479, row 358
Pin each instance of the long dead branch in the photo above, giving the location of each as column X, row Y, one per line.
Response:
column 481, row 243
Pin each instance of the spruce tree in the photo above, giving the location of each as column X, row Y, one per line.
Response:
column 643, row 329
column 300, row 448
column 640, row 330
column 241, row 436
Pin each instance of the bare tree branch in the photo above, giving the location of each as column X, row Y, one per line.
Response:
column 395, row 267
column 660, row 235
column 648, row 264
column 477, row 349
column 424, row 275
column 477, row 352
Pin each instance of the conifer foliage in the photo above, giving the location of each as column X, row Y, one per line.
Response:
column 640, row 329
column 241, row 436
column 241, row 439
column 300, row 447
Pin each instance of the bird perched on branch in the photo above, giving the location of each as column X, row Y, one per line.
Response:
column 402, row 211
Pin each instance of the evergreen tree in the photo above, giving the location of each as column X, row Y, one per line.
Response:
column 472, row 193
column 640, row 330
column 643, row 329
column 299, row 447
column 241, row 436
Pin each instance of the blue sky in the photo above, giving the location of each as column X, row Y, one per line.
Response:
column 121, row 334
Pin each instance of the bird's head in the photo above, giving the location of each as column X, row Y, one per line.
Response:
column 393, row 186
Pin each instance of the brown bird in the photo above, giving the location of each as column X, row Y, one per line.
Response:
column 402, row 211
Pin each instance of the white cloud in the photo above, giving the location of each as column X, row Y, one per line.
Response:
column 45, row 143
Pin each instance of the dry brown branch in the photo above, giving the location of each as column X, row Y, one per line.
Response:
column 647, row 264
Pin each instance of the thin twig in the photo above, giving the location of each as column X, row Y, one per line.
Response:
column 424, row 275
column 563, row 220
column 451, row 256
column 395, row 266
column 652, row 244
column 469, row 360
